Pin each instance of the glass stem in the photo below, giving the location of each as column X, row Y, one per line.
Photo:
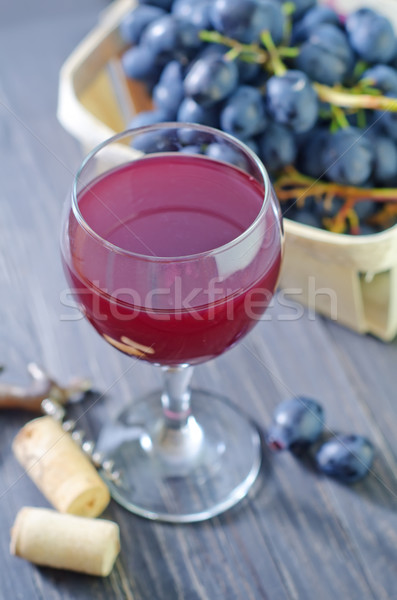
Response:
column 175, row 398
column 180, row 437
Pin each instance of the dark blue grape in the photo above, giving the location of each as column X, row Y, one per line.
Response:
column 193, row 137
column 326, row 56
column 134, row 23
column 188, row 35
column 211, row 79
column 385, row 167
column 277, row 147
column 382, row 77
column 329, row 207
column 296, row 424
column 196, row 12
column 211, row 50
column 267, row 16
column 165, row 4
column 139, row 62
column 253, row 145
column 348, row 157
column 393, row 60
column 147, row 117
column 364, row 209
column 156, row 141
column 307, row 217
column 208, row 51
column 346, row 457
column 226, row 153
column 249, row 71
column 310, row 156
column 301, row 7
column 244, row 20
column 387, row 119
column 161, row 35
column 172, row 74
column 292, row 101
column 192, row 149
column 232, row 17
column 371, row 35
column 288, row 209
column 318, row 15
column 244, row 113
column 308, row 203
column 191, row 112
column 168, row 93
column 366, row 229
column 374, row 121
column 305, row 205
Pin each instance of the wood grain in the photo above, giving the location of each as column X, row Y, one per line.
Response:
column 298, row 536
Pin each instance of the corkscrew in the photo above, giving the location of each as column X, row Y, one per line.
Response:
column 47, row 396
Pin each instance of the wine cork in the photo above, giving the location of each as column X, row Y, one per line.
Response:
column 51, row 539
column 60, row 469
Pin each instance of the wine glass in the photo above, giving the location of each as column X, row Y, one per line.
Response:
column 172, row 244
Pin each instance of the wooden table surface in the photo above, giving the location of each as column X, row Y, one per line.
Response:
column 298, row 535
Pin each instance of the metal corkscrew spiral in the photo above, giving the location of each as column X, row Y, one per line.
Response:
column 55, row 410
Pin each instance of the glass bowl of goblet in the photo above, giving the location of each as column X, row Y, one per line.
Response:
column 172, row 244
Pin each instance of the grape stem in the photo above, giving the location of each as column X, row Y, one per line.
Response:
column 286, row 52
column 346, row 213
column 277, row 64
column 386, row 217
column 288, row 8
column 339, row 119
column 343, row 97
column 291, row 184
column 254, row 53
column 247, row 52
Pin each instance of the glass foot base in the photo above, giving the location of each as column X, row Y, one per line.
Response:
column 181, row 475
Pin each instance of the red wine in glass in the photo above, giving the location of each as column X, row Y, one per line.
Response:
column 185, row 319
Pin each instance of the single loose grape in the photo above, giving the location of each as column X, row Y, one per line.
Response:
column 296, row 424
column 346, row 457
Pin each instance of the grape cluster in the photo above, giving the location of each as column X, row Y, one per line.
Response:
column 298, row 423
column 314, row 95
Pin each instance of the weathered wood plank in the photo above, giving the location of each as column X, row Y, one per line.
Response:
column 298, row 535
